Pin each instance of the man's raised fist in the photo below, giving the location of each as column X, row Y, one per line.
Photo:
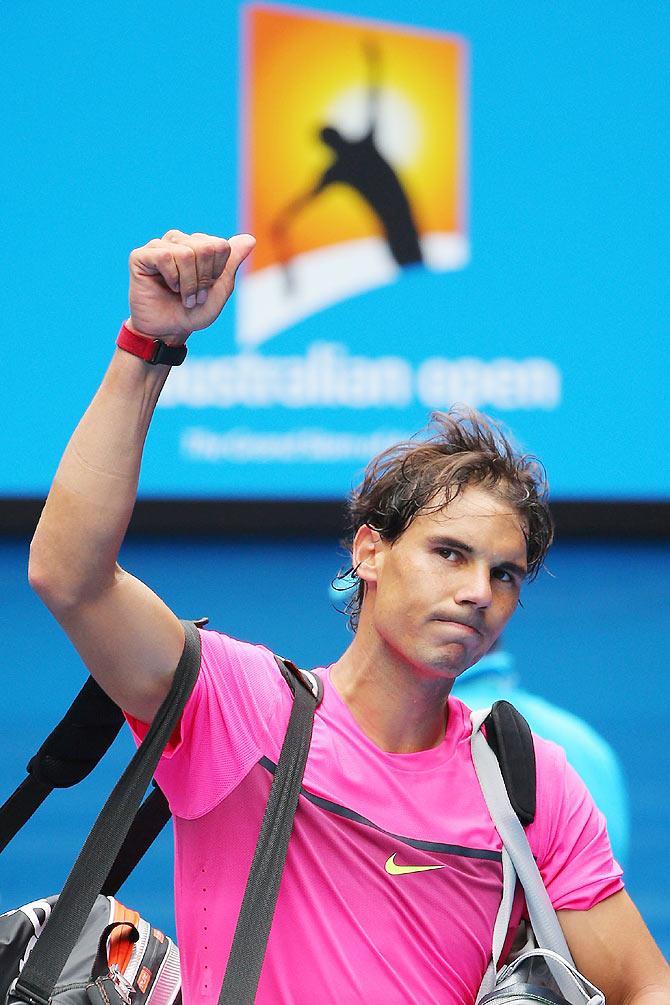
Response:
column 180, row 282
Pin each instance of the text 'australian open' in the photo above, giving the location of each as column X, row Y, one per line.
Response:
column 327, row 375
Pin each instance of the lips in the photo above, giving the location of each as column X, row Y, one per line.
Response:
column 459, row 624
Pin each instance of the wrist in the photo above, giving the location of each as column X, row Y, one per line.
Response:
column 170, row 338
column 149, row 348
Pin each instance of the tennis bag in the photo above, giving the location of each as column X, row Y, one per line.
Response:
column 118, row 956
column 84, row 947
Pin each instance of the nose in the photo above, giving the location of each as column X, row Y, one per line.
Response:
column 474, row 588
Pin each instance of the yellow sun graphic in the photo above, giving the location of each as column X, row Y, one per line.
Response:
column 306, row 72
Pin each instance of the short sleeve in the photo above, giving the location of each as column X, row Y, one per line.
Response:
column 224, row 728
column 569, row 835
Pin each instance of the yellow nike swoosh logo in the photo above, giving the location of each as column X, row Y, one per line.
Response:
column 404, row 870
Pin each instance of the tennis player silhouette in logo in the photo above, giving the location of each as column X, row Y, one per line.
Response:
column 359, row 164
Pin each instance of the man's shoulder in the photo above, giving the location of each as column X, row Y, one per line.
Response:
column 247, row 671
column 221, row 649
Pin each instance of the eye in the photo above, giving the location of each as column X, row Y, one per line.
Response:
column 450, row 554
column 505, row 576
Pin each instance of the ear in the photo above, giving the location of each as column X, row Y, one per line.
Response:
column 364, row 553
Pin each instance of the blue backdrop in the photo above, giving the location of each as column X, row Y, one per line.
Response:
column 120, row 122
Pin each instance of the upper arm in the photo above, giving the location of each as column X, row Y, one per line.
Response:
column 237, row 712
column 613, row 948
column 129, row 640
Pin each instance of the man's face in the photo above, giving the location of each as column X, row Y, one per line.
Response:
column 440, row 596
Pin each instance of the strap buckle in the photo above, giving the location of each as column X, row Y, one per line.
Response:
column 310, row 681
column 30, row 997
column 172, row 355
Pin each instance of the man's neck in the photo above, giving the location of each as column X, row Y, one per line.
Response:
column 397, row 707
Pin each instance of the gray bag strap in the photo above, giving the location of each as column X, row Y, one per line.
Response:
column 546, row 928
column 501, row 925
column 541, row 912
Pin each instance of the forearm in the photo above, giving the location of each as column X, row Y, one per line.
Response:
column 613, row 947
column 74, row 550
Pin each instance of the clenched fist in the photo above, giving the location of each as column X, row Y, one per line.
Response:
column 180, row 282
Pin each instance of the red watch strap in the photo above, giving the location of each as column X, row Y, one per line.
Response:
column 152, row 350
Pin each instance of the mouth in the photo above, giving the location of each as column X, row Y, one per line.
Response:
column 463, row 625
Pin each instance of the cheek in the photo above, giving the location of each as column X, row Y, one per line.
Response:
column 507, row 606
column 402, row 600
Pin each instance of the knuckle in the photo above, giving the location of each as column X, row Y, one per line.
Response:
column 184, row 254
column 205, row 269
column 222, row 255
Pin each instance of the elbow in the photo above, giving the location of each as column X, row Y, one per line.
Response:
column 42, row 579
column 56, row 588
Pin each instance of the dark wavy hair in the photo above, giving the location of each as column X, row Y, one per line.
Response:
column 424, row 474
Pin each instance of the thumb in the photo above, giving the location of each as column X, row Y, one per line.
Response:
column 241, row 245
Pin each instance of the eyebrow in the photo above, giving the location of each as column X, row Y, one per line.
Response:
column 444, row 541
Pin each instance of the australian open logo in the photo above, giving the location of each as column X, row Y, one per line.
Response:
column 354, row 161
column 354, row 175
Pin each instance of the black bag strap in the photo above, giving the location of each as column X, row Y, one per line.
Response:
column 149, row 821
column 260, row 896
column 68, row 755
column 50, row 953
column 509, row 737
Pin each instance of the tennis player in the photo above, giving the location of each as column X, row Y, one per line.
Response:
column 394, row 874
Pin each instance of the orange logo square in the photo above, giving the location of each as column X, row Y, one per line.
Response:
column 143, row 979
column 353, row 163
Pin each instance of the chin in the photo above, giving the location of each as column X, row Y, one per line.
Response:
column 448, row 667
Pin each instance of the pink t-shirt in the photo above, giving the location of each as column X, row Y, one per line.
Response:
column 345, row 929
